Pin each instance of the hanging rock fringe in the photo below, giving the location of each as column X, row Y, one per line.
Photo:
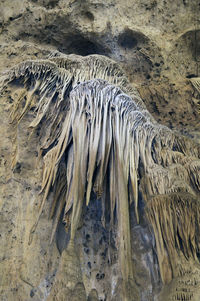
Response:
column 196, row 83
column 97, row 138
column 175, row 222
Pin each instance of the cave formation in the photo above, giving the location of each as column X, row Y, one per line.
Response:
column 95, row 136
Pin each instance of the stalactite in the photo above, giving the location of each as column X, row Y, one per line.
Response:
column 175, row 221
column 196, row 83
column 93, row 132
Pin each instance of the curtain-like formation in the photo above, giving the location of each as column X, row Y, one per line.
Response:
column 98, row 136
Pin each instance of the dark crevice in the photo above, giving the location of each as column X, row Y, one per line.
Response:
column 127, row 39
column 83, row 46
column 130, row 39
column 49, row 4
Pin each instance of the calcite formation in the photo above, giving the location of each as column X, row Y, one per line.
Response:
column 99, row 198
column 97, row 138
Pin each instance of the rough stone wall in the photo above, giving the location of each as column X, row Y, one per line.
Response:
column 157, row 44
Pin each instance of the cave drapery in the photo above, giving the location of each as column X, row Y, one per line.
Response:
column 100, row 137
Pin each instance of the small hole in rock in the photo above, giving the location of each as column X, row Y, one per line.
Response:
column 89, row 265
column 32, row 293
column 87, row 236
column 127, row 39
column 17, row 168
column 86, row 250
column 89, row 15
column 191, row 75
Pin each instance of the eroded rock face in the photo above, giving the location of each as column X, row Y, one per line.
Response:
column 156, row 43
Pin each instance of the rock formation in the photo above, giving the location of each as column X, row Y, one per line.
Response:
column 99, row 200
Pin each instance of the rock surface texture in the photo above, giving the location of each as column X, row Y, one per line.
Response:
column 100, row 150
